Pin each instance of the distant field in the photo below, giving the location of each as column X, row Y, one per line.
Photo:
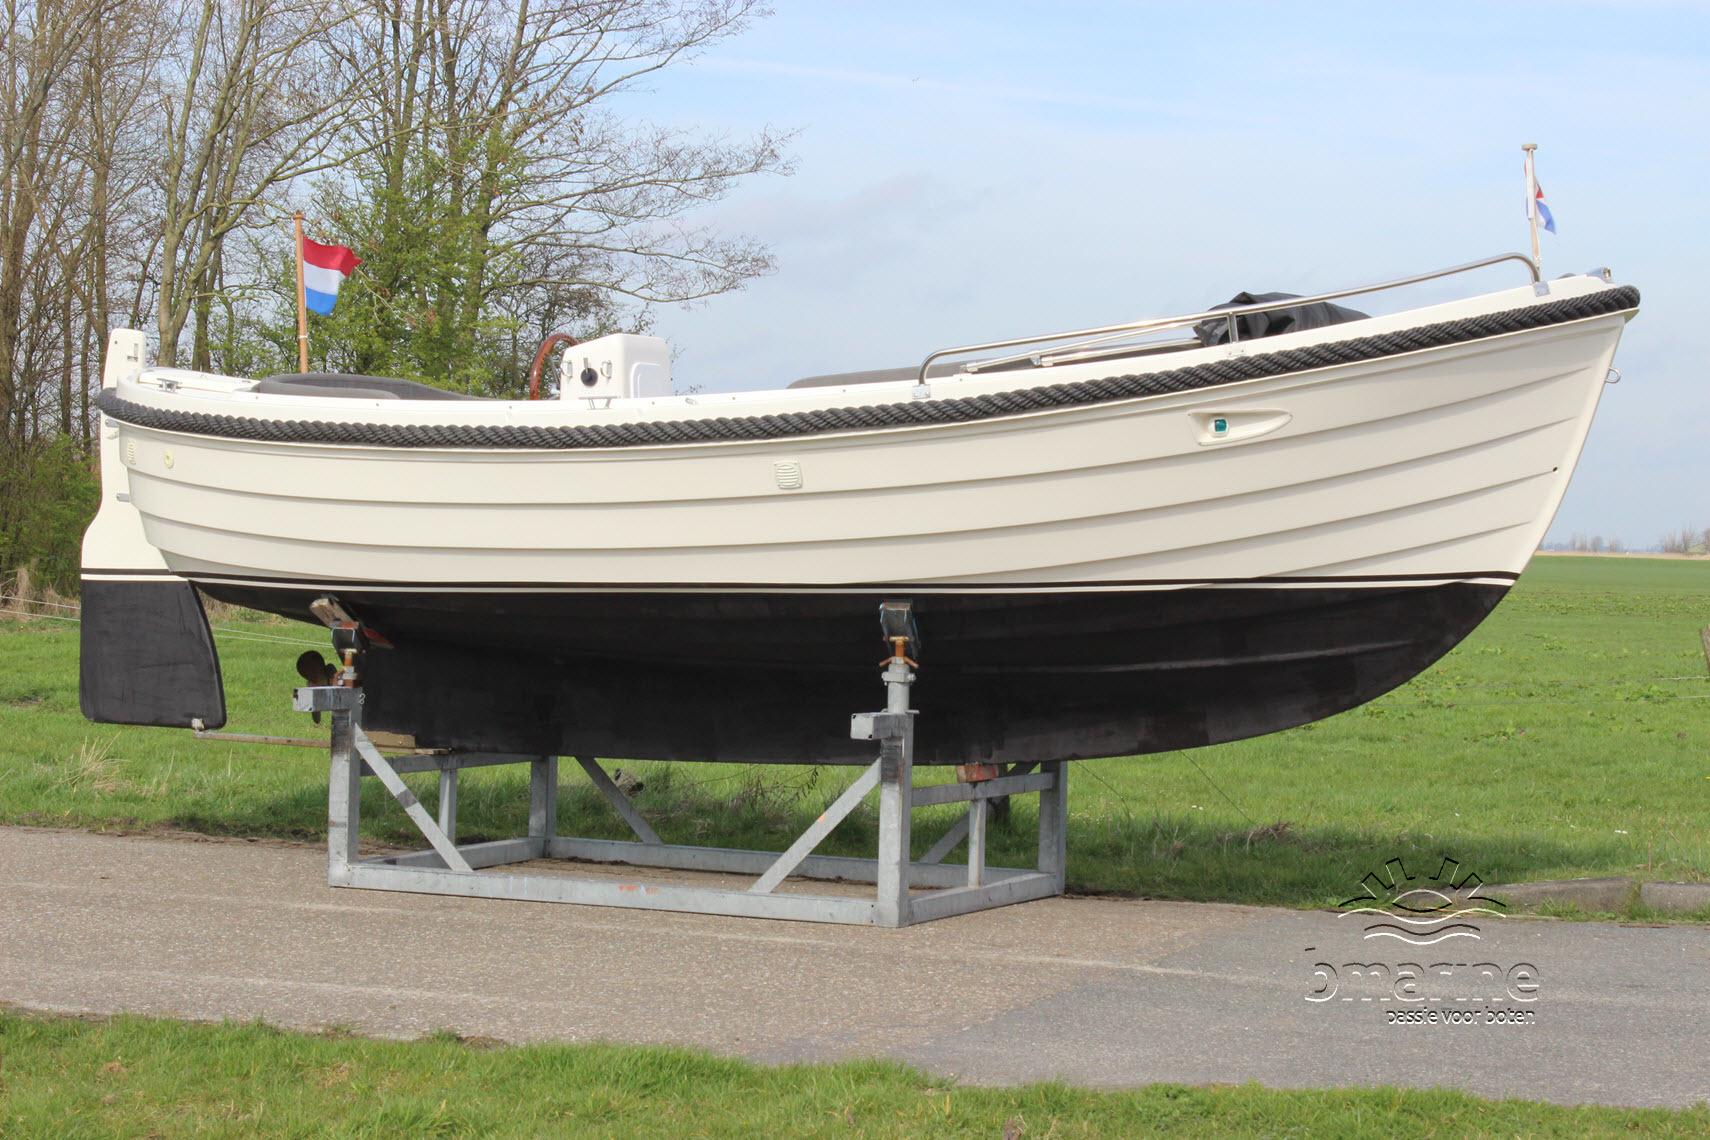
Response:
column 1568, row 736
column 137, row 1077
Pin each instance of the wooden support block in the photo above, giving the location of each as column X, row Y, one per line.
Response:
column 977, row 773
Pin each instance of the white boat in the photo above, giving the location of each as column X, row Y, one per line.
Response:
column 1117, row 540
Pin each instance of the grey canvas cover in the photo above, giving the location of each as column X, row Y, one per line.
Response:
column 1275, row 322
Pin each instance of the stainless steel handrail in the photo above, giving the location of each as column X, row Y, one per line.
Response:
column 1158, row 324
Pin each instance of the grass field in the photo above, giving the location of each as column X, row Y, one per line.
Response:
column 1568, row 736
column 134, row 1077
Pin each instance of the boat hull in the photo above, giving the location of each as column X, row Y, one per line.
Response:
column 1104, row 576
column 1004, row 676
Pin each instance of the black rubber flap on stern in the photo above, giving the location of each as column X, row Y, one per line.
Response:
column 147, row 656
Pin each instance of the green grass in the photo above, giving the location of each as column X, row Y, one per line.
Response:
column 137, row 1077
column 1568, row 736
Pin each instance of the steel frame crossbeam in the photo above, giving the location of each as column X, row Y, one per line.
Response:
column 449, row 868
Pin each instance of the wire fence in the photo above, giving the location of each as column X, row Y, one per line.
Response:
column 225, row 631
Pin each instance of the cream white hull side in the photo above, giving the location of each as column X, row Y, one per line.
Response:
column 1448, row 461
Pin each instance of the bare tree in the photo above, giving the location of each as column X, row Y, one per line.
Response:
column 1680, row 541
column 499, row 188
column 252, row 100
column 40, row 48
column 118, row 125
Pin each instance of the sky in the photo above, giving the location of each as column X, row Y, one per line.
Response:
column 970, row 171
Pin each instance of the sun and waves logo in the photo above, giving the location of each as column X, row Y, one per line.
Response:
column 1454, row 981
column 1445, row 907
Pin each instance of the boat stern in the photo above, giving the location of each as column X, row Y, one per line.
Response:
column 146, row 653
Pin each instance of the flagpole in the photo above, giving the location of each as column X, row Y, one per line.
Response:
column 303, row 305
column 1532, row 204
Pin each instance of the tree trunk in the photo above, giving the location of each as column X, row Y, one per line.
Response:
column 65, row 363
column 202, row 354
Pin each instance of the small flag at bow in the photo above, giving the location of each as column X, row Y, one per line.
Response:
column 324, row 269
column 1544, row 214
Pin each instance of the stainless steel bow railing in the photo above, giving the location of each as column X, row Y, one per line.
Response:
column 1094, row 342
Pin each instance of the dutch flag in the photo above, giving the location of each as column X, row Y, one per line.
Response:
column 324, row 269
column 1544, row 214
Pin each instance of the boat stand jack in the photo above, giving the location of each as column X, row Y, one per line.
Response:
column 906, row 890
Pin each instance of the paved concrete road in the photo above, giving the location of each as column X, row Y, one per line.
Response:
column 1092, row 991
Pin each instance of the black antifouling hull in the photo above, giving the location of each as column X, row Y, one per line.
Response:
column 774, row 676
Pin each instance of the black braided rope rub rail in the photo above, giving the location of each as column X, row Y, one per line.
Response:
column 879, row 416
